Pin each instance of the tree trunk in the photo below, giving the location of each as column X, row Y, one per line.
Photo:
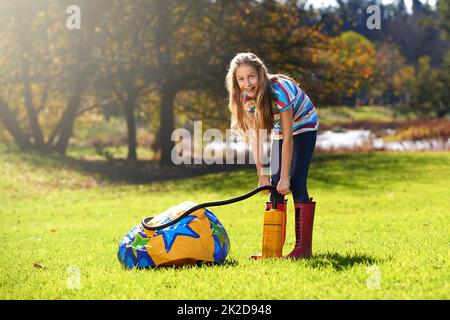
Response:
column 163, row 34
column 84, row 60
column 166, row 125
column 12, row 125
column 31, row 111
column 68, row 118
column 129, row 107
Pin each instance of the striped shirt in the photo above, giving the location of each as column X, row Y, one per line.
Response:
column 287, row 94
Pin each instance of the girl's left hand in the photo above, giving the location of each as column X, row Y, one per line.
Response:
column 283, row 187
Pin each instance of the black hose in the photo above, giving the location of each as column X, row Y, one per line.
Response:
column 204, row 205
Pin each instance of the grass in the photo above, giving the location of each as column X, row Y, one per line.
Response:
column 334, row 117
column 388, row 211
column 343, row 114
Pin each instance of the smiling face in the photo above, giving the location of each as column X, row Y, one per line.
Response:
column 247, row 78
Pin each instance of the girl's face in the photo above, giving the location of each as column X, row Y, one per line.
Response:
column 247, row 78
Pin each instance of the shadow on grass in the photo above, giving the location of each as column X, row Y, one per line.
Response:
column 318, row 261
column 228, row 263
column 340, row 262
column 123, row 171
column 355, row 171
column 351, row 170
column 139, row 172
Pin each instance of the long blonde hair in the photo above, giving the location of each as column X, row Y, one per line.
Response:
column 264, row 116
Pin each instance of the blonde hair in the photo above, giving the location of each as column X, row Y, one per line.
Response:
column 264, row 117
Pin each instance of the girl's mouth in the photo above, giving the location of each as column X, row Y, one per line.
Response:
column 251, row 90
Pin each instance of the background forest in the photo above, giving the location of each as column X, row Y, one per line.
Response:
column 149, row 67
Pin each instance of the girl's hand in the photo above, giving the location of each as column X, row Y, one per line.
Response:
column 283, row 187
column 264, row 181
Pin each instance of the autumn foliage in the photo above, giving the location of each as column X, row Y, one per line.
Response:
column 163, row 62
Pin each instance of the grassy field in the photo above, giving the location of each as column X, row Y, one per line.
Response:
column 381, row 232
column 334, row 116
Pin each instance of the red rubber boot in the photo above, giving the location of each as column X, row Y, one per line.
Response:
column 281, row 207
column 304, row 220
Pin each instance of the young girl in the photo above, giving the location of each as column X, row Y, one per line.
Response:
column 275, row 102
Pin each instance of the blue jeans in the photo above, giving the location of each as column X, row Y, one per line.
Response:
column 304, row 145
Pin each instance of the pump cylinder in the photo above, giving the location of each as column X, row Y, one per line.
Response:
column 274, row 221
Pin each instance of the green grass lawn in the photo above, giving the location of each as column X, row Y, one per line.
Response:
column 381, row 232
column 338, row 115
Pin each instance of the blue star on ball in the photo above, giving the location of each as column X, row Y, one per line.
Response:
column 179, row 229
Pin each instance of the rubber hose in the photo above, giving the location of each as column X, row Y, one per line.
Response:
column 204, row 205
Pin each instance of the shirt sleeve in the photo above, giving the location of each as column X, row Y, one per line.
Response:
column 285, row 93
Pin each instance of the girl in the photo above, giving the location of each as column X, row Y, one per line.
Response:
column 275, row 102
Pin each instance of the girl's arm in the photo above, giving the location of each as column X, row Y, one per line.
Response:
column 254, row 144
column 286, row 151
column 255, row 147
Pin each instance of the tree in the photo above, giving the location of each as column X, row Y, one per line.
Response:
column 443, row 7
column 392, row 76
column 182, row 49
column 351, row 65
column 44, row 66
column 429, row 94
column 127, row 68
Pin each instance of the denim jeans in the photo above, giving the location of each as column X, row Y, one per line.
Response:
column 304, row 145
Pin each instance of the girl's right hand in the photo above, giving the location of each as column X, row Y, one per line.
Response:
column 264, row 181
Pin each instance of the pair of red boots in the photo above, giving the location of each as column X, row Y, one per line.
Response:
column 304, row 220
